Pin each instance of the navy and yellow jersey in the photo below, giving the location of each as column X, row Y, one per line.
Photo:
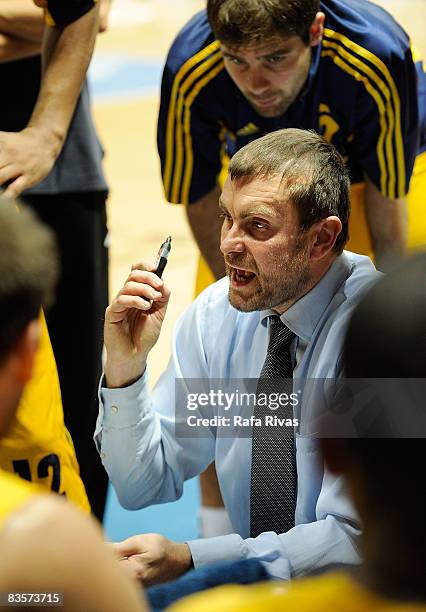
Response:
column 361, row 94
column 60, row 13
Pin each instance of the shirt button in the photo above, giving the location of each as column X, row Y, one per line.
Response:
column 102, row 455
column 114, row 409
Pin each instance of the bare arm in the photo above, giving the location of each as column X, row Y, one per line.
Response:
column 26, row 157
column 48, row 545
column 21, row 30
column 388, row 223
column 205, row 223
column 22, row 19
column 14, row 48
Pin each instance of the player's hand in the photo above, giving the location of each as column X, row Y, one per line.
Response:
column 133, row 323
column 152, row 558
column 26, row 157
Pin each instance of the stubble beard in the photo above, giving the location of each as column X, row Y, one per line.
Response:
column 274, row 111
column 279, row 290
column 286, row 99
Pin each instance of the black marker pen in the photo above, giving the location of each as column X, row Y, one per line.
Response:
column 163, row 254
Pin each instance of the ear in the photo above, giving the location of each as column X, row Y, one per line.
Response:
column 317, row 29
column 22, row 358
column 324, row 235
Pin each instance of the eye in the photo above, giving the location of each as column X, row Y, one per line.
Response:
column 234, row 60
column 259, row 225
column 276, row 59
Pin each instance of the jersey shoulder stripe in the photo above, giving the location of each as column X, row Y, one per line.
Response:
column 188, row 82
column 370, row 70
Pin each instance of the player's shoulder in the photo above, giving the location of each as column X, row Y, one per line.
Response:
column 363, row 30
column 195, row 42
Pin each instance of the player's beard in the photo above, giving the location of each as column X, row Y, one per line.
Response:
column 286, row 279
column 278, row 108
column 284, row 97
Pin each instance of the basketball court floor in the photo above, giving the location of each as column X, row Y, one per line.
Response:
column 125, row 77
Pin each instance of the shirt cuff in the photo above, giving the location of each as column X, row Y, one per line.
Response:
column 214, row 550
column 125, row 406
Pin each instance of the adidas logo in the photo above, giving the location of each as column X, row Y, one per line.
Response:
column 248, row 129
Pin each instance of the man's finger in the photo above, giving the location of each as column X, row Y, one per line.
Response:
column 129, row 547
column 16, row 187
column 145, row 266
column 7, row 172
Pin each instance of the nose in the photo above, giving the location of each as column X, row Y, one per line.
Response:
column 257, row 81
column 232, row 240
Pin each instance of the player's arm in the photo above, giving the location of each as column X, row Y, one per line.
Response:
column 385, row 142
column 205, row 223
column 387, row 221
column 190, row 145
column 26, row 157
column 21, row 30
column 49, row 546
column 21, row 18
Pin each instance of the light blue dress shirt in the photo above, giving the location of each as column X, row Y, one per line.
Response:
column 147, row 464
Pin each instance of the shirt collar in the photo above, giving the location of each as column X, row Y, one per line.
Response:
column 313, row 69
column 303, row 317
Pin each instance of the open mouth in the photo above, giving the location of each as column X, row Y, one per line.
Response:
column 239, row 277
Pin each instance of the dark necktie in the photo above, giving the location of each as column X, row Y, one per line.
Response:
column 273, row 465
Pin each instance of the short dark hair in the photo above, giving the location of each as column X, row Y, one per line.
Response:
column 28, row 271
column 313, row 174
column 246, row 22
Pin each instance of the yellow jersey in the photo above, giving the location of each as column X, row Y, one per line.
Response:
column 14, row 493
column 37, row 447
column 334, row 591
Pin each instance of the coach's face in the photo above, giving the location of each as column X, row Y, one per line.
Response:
column 271, row 74
column 267, row 256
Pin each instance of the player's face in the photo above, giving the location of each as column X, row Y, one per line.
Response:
column 266, row 254
column 270, row 74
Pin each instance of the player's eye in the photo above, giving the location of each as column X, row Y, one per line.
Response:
column 234, row 60
column 276, row 59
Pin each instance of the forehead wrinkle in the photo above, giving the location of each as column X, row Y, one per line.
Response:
column 263, row 49
column 259, row 209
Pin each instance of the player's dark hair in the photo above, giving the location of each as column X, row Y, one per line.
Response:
column 28, row 271
column 314, row 176
column 246, row 22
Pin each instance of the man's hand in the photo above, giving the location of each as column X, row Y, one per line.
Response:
column 152, row 558
column 132, row 325
column 26, row 157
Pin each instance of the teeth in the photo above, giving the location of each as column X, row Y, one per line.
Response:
column 242, row 273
